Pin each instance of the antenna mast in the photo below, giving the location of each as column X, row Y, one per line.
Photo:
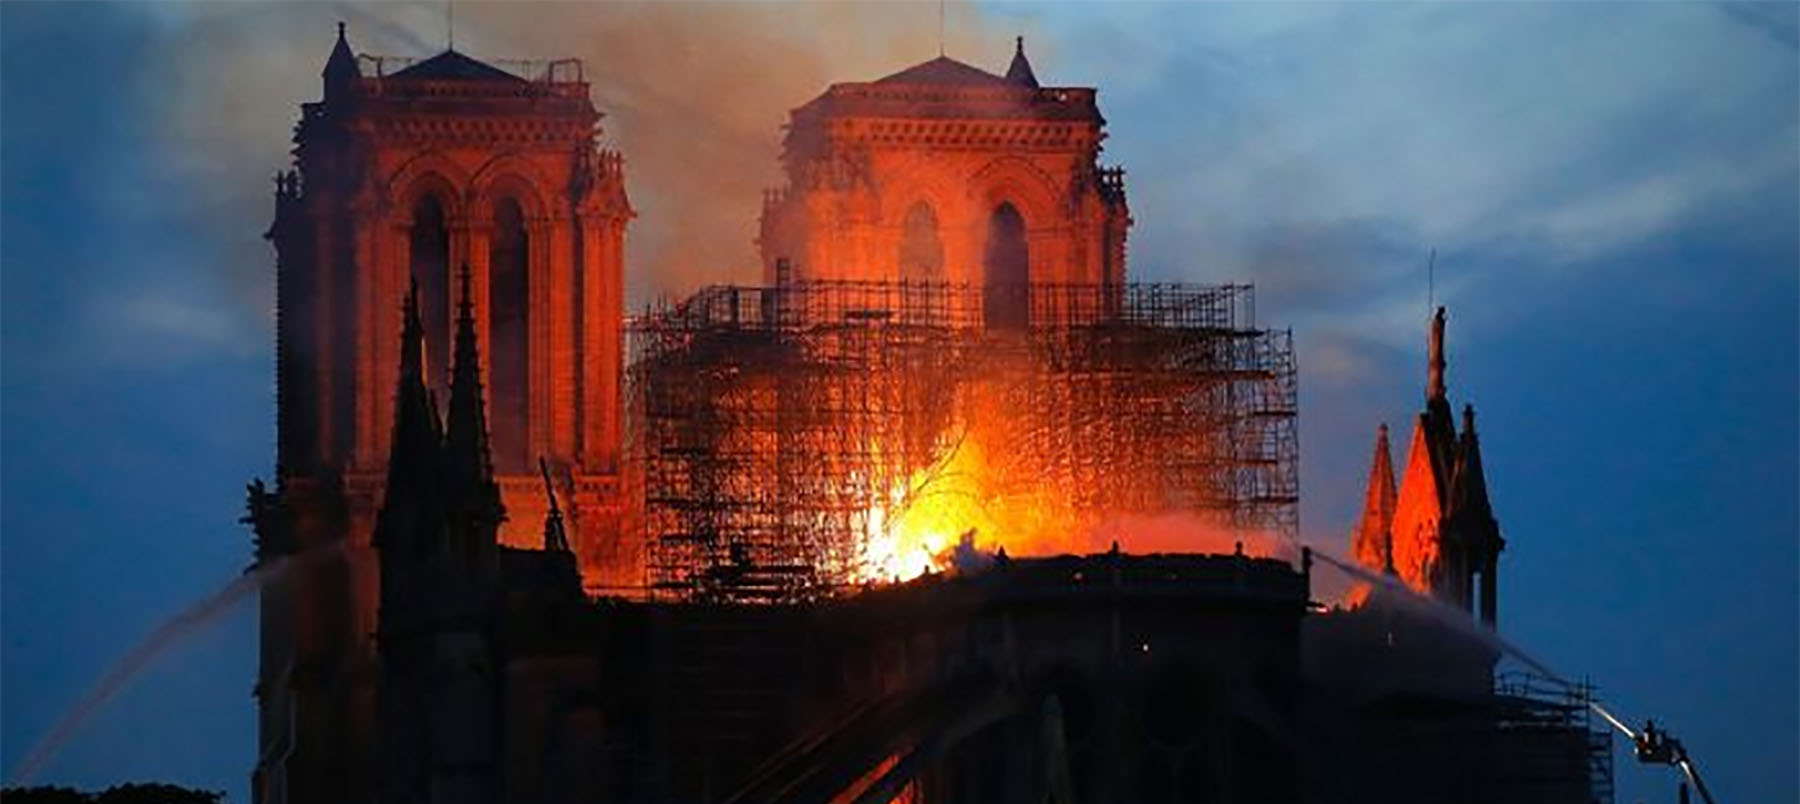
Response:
column 941, row 28
column 450, row 24
column 1431, row 282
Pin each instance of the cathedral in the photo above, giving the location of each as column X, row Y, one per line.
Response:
column 580, row 557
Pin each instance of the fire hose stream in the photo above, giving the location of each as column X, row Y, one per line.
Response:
column 1652, row 746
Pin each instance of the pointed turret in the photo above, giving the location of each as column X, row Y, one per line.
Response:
column 1374, row 538
column 474, row 498
column 408, row 521
column 340, row 68
column 1019, row 72
column 1472, row 522
column 1469, row 494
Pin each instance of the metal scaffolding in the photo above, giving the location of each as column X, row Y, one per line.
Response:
column 768, row 424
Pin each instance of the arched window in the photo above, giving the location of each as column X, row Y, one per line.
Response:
column 1006, row 271
column 921, row 251
column 431, row 269
column 509, row 320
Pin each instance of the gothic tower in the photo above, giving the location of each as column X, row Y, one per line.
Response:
column 944, row 172
column 402, row 171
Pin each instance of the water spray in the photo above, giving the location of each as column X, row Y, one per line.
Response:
column 185, row 623
column 1651, row 746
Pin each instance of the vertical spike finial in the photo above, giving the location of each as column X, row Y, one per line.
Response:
column 1434, row 387
column 941, row 28
column 412, row 334
column 474, row 497
column 1020, row 72
column 340, row 67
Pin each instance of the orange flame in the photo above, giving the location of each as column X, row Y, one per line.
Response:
column 965, row 503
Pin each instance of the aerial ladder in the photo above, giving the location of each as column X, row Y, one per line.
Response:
column 1658, row 747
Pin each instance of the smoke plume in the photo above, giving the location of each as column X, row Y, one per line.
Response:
column 694, row 94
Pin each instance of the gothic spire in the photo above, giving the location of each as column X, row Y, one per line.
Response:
column 1019, row 72
column 341, row 67
column 1469, row 494
column 417, row 445
column 1374, row 540
column 412, row 336
column 1472, row 517
column 473, row 496
column 1418, row 511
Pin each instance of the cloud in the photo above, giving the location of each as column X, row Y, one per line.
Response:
column 155, row 328
column 1322, row 150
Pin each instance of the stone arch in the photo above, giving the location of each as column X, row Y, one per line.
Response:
column 428, row 171
column 511, row 175
column 921, row 247
column 919, row 179
column 1015, row 180
column 960, row 220
column 430, row 178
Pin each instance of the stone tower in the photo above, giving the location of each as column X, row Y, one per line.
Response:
column 404, row 172
column 944, row 172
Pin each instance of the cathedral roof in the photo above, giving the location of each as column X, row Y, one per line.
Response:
column 453, row 66
column 946, row 89
column 944, row 70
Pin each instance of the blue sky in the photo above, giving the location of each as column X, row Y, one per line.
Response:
column 1611, row 190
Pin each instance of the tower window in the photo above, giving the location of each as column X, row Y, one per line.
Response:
column 430, row 266
column 509, row 311
column 1006, row 271
column 921, row 250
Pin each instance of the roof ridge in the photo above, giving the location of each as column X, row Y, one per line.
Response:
column 454, row 65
